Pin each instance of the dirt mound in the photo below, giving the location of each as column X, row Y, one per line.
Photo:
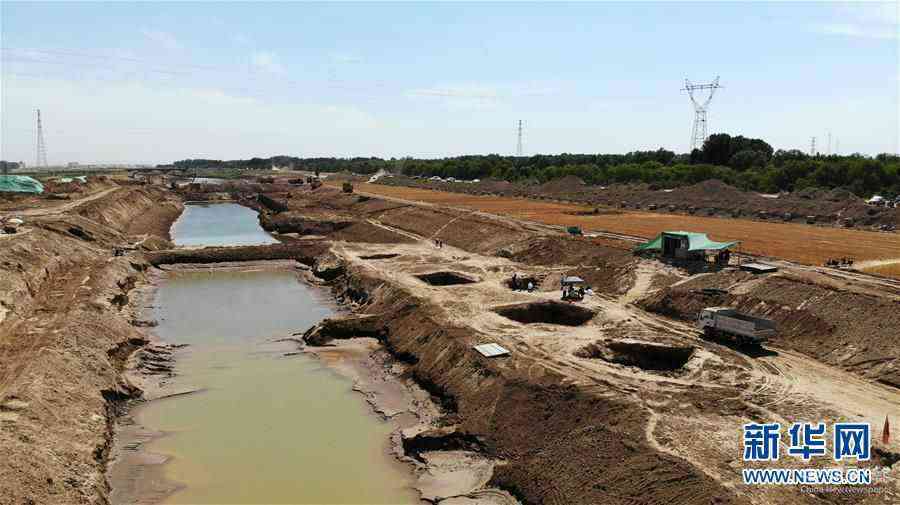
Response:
column 604, row 268
column 567, row 184
column 549, row 312
column 494, row 186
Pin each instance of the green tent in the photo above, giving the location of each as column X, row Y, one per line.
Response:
column 19, row 184
column 696, row 242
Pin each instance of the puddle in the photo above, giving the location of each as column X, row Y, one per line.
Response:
column 219, row 224
column 265, row 428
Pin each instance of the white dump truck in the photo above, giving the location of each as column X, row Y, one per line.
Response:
column 717, row 322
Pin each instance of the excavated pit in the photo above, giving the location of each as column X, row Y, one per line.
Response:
column 548, row 311
column 644, row 355
column 446, row 278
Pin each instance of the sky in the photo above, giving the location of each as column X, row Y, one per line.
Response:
column 156, row 82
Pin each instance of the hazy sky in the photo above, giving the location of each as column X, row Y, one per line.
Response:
column 155, row 82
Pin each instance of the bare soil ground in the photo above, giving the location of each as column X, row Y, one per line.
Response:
column 656, row 411
column 65, row 330
column 796, row 242
column 578, row 413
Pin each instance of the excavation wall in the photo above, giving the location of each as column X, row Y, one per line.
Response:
column 59, row 381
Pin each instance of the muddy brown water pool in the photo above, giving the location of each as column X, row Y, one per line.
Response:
column 265, row 428
column 266, row 424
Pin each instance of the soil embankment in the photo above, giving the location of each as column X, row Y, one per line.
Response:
column 66, row 325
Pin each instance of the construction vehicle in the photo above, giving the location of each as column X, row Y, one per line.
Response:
column 717, row 322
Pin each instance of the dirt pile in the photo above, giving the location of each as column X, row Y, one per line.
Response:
column 603, row 267
column 565, row 185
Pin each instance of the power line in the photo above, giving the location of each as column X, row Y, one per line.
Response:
column 698, row 132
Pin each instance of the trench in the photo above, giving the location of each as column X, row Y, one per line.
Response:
column 264, row 423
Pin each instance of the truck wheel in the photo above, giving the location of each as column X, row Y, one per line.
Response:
column 709, row 333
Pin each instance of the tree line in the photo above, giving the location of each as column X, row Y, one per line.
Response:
column 750, row 164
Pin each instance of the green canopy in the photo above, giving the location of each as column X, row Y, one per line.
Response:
column 696, row 242
column 19, row 184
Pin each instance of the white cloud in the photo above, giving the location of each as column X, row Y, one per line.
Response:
column 345, row 58
column 872, row 20
column 176, row 123
column 460, row 96
column 855, row 30
column 164, row 39
column 267, row 61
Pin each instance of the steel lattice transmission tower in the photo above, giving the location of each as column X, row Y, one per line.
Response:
column 698, row 133
column 519, row 150
column 40, row 148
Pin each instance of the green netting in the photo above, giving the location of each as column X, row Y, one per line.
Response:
column 19, row 184
column 653, row 245
column 696, row 242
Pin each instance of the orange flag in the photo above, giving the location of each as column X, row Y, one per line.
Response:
column 886, row 435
